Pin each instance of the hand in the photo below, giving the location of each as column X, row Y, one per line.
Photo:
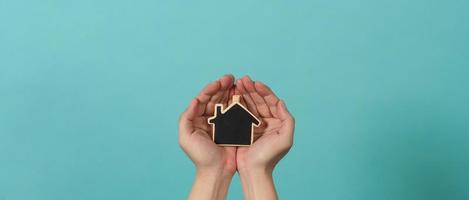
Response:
column 274, row 139
column 215, row 164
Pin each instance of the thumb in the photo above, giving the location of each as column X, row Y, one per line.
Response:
column 284, row 114
column 288, row 122
column 185, row 121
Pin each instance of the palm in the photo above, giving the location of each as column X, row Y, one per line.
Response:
column 208, row 151
column 195, row 136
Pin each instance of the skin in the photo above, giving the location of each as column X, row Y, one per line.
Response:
column 216, row 165
column 256, row 163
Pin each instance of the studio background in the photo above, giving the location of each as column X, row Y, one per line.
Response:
column 91, row 91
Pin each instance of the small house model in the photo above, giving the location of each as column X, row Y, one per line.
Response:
column 233, row 126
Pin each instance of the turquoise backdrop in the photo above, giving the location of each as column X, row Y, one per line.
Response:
column 91, row 91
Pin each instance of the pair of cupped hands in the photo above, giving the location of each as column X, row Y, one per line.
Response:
column 272, row 140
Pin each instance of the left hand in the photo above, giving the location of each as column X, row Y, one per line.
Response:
column 195, row 133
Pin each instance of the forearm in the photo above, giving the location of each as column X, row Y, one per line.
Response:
column 210, row 185
column 258, row 184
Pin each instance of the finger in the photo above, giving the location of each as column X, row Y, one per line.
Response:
column 261, row 106
column 205, row 95
column 187, row 118
column 226, row 82
column 247, row 99
column 208, row 91
column 237, row 92
column 229, row 94
column 227, row 85
column 288, row 122
column 269, row 97
column 225, row 98
column 210, row 107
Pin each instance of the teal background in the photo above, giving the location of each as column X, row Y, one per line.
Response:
column 91, row 91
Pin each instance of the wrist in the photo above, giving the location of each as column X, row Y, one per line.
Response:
column 210, row 183
column 213, row 172
column 255, row 172
column 217, row 169
column 256, row 168
column 258, row 182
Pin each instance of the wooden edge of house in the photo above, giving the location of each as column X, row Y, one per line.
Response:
column 235, row 100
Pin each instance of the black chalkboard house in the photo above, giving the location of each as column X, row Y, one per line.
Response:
column 233, row 126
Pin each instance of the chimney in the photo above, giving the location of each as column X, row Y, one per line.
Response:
column 218, row 109
column 235, row 98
